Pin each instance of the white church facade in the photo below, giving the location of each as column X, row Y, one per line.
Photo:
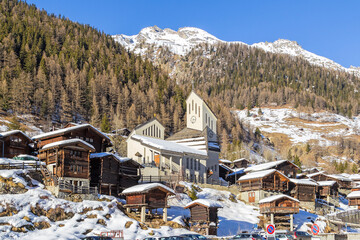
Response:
column 192, row 152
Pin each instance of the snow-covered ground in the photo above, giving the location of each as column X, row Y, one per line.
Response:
column 301, row 127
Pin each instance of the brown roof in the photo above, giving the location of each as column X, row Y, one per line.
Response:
column 187, row 133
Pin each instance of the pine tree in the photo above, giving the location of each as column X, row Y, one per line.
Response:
column 105, row 124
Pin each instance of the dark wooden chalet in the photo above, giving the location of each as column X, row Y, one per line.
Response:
column 277, row 208
column 318, row 176
column 13, row 143
column 327, row 189
column 85, row 132
column 203, row 216
column 224, row 170
column 343, row 182
column 241, row 163
column 303, row 189
column 68, row 160
column 354, row 199
column 111, row 173
column 147, row 196
column 284, row 166
column 268, row 180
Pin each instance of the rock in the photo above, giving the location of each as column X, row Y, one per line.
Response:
column 101, row 221
column 143, row 226
column 87, row 231
column 107, row 216
column 42, row 225
column 128, row 224
column 61, row 225
column 26, row 218
column 85, row 210
column 58, row 214
column 91, row 216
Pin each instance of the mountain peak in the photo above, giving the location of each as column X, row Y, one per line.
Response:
column 183, row 40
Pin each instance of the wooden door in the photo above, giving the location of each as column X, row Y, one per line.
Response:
column 251, row 197
column 157, row 159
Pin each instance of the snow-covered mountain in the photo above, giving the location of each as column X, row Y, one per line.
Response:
column 185, row 39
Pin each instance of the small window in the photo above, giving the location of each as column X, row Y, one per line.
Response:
column 87, row 139
column 91, row 140
column 192, row 105
column 195, row 108
column 199, row 111
column 189, row 108
column 206, row 121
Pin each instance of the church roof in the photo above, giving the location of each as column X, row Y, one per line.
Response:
column 186, row 133
column 143, row 124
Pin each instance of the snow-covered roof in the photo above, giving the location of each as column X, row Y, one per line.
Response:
column 276, row 197
column 355, row 177
column 168, row 145
column 236, row 171
column 73, row 141
column 315, row 174
column 326, row 183
column 225, row 161
column 240, row 160
column 69, row 129
column 259, row 174
column 12, row 132
column 146, row 187
column 303, row 182
column 104, row 154
column 340, row 177
column 267, row 165
column 355, row 194
column 205, row 203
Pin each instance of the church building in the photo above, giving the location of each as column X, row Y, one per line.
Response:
column 192, row 152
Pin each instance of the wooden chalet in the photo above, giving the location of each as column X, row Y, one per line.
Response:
column 241, row 163
column 272, row 180
column 286, row 167
column 277, row 208
column 67, row 160
column 327, row 189
column 343, row 182
column 303, row 189
column 111, row 173
column 147, row 196
column 354, row 199
column 257, row 185
column 85, row 132
column 203, row 216
column 224, row 170
column 13, row 143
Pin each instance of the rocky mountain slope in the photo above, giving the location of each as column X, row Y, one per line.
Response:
column 185, row 39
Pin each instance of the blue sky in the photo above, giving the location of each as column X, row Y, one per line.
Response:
column 327, row 28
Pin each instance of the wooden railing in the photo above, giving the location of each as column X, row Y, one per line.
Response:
column 149, row 179
column 65, row 185
column 285, row 210
column 24, row 165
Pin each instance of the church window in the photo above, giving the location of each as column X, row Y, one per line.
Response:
column 189, row 108
column 211, row 124
column 206, row 118
column 192, row 105
column 199, row 111
column 195, row 108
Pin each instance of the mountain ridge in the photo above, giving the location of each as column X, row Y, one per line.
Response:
column 185, row 39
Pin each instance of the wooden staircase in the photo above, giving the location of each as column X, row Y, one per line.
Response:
column 50, row 179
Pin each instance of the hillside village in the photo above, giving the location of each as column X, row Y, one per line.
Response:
column 163, row 182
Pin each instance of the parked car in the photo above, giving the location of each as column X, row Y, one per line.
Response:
column 96, row 238
column 194, row 236
column 300, row 235
column 284, row 236
column 168, row 238
column 248, row 236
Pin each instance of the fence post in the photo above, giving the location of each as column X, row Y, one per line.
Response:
column 150, row 178
column 23, row 166
column 8, row 166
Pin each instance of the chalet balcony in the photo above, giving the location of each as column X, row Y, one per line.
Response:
column 279, row 210
column 17, row 145
column 246, row 186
